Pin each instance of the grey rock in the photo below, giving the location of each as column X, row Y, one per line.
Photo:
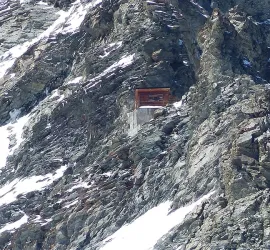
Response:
column 78, row 88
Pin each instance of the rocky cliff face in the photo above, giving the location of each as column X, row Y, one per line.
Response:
column 71, row 176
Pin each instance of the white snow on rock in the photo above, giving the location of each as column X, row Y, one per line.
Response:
column 111, row 47
column 68, row 22
column 71, row 203
column 79, row 185
column 144, row 232
column 6, row 131
column 14, row 114
column 56, row 95
column 10, row 191
column 17, row 128
column 14, row 225
column 122, row 63
column 24, row 1
column 185, row 62
column 266, row 22
column 177, row 105
column 71, row 20
column 150, row 107
column 42, row 3
column 246, row 63
column 202, row 10
column 180, row 248
column 107, row 174
column 75, row 80
column 41, row 221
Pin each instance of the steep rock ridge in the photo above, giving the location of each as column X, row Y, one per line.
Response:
column 21, row 22
column 77, row 177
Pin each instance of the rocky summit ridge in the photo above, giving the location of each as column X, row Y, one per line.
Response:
column 197, row 176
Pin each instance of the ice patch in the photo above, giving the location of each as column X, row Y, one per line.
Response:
column 10, row 191
column 14, row 225
column 144, row 232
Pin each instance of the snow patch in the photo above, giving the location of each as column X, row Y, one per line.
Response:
column 10, row 191
column 177, row 105
column 79, row 185
column 75, row 80
column 71, row 203
column 107, row 174
column 122, row 63
column 185, row 63
column 68, row 22
column 112, row 47
column 266, row 22
column 14, row 225
column 42, row 3
column 17, row 128
column 14, row 114
column 41, row 221
column 144, row 232
column 57, row 96
column 151, row 2
column 24, row 1
column 10, row 129
column 202, row 11
column 180, row 42
column 246, row 63
column 4, row 145
column 150, row 107
column 180, row 248
column 75, row 16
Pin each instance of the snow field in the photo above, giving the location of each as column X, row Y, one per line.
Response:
column 145, row 231
column 10, row 191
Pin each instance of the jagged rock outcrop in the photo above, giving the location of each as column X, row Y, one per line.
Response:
column 77, row 176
